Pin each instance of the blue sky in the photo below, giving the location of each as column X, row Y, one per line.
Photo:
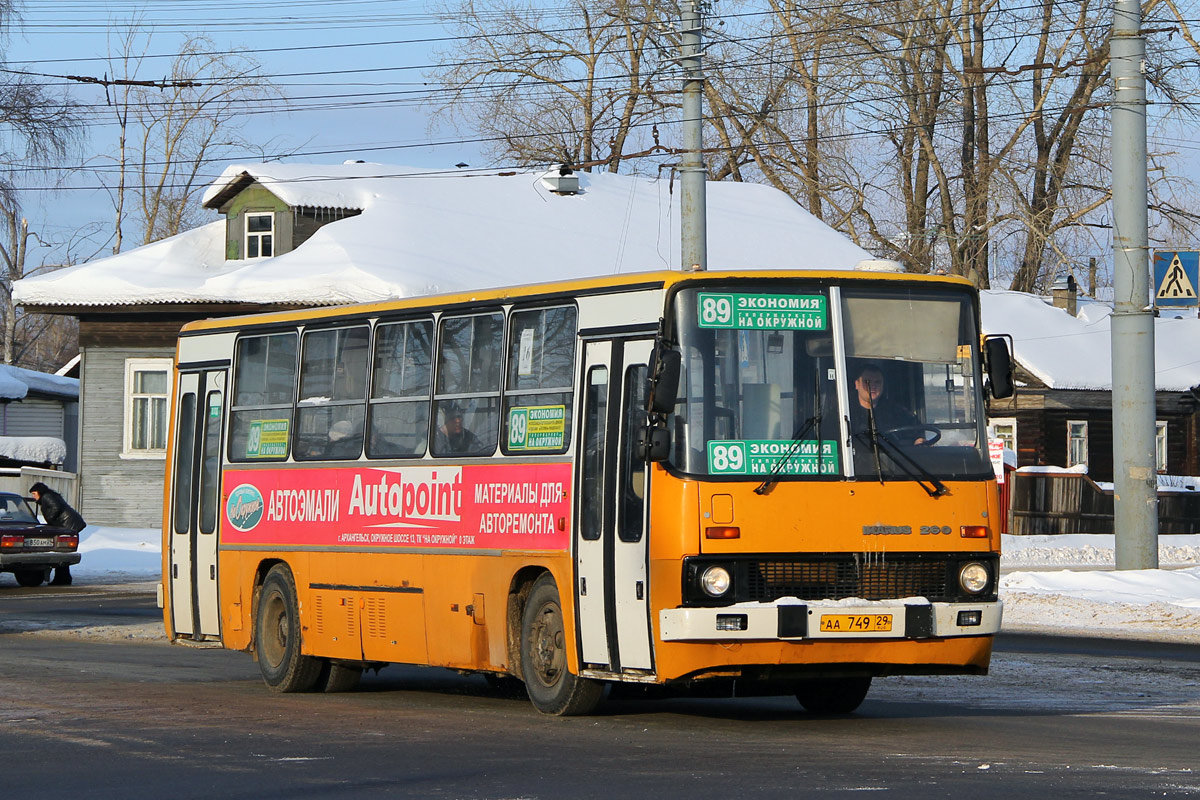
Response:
column 349, row 66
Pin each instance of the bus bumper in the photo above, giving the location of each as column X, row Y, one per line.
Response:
column 862, row 619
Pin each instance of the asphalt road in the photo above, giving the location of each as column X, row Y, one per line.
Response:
column 142, row 719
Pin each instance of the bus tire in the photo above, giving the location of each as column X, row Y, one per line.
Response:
column 552, row 688
column 832, row 695
column 339, row 677
column 277, row 631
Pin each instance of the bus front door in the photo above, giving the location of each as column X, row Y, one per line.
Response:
column 612, row 588
column 195, row 504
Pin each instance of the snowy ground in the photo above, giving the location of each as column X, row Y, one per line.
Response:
column 1059, row 584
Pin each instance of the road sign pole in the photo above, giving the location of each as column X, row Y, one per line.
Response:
column 693, row 217
column 1134, row 473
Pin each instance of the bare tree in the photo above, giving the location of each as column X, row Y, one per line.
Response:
column 37, row 126
column 965, row 136
column 579, row 83
column 172, row 126
column 776, row 97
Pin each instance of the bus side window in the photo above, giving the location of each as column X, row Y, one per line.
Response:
column 467, row 396
column 537, row 391
column 633, row 474
column 398, row 421
column 333, row 378
column 595, row 422
column 264, row 388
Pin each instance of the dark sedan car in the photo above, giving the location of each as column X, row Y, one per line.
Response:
column 30, row 549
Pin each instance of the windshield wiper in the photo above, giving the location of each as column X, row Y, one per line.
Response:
column 797, row 439
column 913, row 469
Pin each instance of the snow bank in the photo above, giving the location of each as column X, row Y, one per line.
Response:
column 119, row 555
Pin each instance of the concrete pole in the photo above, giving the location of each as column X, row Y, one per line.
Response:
column 693, row 216
column 1135, row 476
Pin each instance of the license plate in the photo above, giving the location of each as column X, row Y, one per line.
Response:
column 855, row 623
column 39, row 542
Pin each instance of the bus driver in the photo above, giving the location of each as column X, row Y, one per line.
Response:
column 869, row 409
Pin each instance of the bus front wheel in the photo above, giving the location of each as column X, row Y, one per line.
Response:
column 277, row 630
column 832, row 695
column 551, row 686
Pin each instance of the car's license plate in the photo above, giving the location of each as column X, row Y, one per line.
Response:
column 31, row 541
column 855, row 623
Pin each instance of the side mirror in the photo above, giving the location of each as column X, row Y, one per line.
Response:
column 664, row 386
column 999, row 367
column 653, row 444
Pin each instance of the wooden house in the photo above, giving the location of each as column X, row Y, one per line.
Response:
column 1062, row 412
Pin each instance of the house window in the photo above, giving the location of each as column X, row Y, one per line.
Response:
column 1160, row 445
column 260, row 234
column 1077, row 442
column 1005, row 429
column 146, row 389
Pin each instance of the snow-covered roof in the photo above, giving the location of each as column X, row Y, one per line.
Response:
column 351, row 185
column 33, row 449
column 16, row 383
column 66, row 368
column 422, row 232
column 1066, row 352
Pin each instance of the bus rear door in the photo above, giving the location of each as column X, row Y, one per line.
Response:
column 612, row 590
column 195, row 503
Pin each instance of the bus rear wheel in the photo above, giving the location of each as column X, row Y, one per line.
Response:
column 338, row 677
column 277, row 631
column 832, row 695
column 551, row 686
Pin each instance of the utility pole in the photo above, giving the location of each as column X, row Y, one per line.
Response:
column 693, row 214
column 1134, row 472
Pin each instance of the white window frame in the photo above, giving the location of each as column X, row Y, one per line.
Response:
column 1084, row 439
column 1160, row 445
column 246, row 234
column 132, row 367
column 997, row 423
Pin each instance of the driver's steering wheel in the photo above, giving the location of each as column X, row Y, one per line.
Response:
column 919, row 431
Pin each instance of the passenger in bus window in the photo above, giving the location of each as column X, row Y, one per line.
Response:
column 453, row 436
column 869, row 404
column 344, row 441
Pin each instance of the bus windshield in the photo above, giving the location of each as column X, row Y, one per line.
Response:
column 808, row 381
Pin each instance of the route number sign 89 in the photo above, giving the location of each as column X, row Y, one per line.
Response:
column 727, row 458
column 716, row 310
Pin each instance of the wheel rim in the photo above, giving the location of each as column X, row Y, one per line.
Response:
column 276, row 630
column 549, row 655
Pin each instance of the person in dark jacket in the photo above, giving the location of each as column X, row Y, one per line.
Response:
column 57, row 512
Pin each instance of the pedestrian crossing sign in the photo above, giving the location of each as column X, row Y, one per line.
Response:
column 1176, row 277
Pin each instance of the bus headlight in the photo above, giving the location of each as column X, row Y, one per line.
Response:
column 973, row 578
column 715, row 581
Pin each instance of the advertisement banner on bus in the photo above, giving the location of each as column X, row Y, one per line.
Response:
column 518, row 506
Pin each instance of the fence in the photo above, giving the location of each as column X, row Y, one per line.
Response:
column 18, row 481
column 1059, row 502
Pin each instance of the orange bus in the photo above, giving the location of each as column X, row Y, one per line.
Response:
column 729, row 482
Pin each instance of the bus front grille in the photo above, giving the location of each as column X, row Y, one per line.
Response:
column 811, row 577
column 837, row 580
